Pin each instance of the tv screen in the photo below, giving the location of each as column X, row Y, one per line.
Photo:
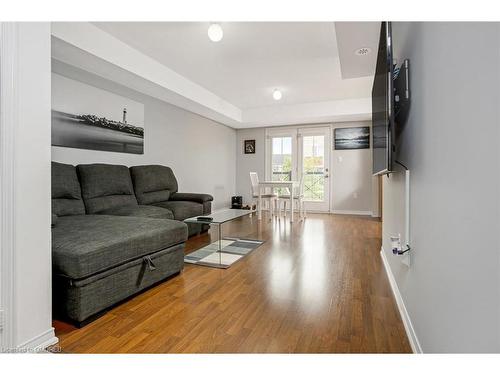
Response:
column 382, row 104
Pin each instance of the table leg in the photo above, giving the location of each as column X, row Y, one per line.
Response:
column 220, row 243
column 260, row 203
column 291, row 203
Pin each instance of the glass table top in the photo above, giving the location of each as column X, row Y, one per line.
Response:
column 220, row 217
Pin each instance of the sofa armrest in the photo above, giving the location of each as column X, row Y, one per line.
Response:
column 192, row 197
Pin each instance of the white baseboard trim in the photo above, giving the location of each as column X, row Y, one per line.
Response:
column 349, row 212
column 42, row 341
column 405, row 317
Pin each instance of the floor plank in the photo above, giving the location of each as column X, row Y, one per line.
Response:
column 317, row 286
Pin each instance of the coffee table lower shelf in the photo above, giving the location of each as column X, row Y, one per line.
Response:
column 232, row 250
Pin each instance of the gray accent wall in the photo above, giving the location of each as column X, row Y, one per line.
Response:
column 451, row 145
column 199, row 151
column 246, row 163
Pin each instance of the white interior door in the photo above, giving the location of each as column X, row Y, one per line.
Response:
column 314, row 167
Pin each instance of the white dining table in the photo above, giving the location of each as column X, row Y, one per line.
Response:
column 273, row 185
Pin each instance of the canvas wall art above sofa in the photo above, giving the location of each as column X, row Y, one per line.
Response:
column 87, row 117
column 116, row 231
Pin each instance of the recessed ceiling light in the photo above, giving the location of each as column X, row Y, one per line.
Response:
column 215, row 32
column 277, row 95
column 363, row 51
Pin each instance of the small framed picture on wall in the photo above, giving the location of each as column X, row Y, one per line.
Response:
column 249, row 146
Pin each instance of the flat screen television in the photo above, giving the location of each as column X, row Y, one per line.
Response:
column 383, row 105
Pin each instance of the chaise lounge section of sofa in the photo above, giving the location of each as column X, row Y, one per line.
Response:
column 106, row 246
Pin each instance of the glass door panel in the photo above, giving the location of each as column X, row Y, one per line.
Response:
column 281, row 164
column 314, row 163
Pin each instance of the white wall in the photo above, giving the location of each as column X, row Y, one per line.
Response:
column 200, row 151
column 451, row 145
column 246, row 163
column 351, row 178
column 32, row 256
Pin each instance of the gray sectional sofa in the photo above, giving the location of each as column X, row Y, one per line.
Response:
column 116, row 231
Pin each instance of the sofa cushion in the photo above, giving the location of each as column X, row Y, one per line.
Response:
column 153, row 183
column 66, row 193
column 182, row 209
column 84, row 245
column 105, row 186
column 140, row 211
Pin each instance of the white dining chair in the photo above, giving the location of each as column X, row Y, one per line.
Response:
column 298, row 199
column 271, row 198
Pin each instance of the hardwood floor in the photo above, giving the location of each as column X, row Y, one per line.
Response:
column 317, row 286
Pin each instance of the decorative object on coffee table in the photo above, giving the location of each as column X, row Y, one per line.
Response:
column 249, row 146
column 236, row 202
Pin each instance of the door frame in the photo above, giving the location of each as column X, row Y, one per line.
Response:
column 8, row 124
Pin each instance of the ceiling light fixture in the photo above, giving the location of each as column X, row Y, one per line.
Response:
column 363, row 51
column 277, row 95
column 215, row 32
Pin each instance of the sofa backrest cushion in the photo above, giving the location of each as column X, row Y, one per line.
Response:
column 105, row 186
column 153, row 183
column 66, row 193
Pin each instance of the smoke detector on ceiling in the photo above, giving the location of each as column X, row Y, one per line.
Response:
column 363, row 51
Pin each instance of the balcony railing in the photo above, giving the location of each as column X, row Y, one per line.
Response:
column 284, row 176
column 313, row 184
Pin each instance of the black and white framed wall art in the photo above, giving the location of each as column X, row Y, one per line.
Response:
column 88, row 117
column 352, row 138
column 249, row 147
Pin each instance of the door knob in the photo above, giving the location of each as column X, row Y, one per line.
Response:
column 326, row 176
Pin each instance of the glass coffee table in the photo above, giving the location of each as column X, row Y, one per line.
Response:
column 215, row 255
